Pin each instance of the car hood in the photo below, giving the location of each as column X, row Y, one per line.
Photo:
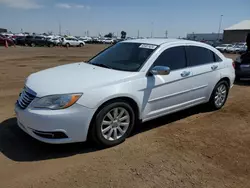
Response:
column 74, row 78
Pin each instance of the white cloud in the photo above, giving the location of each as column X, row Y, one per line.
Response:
column 21, row 4
column 63, row 5
column 69, row 6
column 79, row 6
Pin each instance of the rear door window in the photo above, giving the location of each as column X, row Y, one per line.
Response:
column 199, row 56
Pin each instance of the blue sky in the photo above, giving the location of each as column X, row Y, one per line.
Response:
column 178, row 17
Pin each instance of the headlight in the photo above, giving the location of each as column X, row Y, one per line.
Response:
column 55, row 102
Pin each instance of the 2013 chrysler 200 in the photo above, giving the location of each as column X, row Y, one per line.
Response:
column 136, row 80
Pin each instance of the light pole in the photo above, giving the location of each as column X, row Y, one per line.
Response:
column 152, row 31
column 221, row 16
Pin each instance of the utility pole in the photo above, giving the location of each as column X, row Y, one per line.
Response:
column 221, row 16
column 138, row 34
column 60, row 28
column 152, row 29
column 166, row 33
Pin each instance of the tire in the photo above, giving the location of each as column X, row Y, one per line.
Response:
column 216, row 105
column 67, row 45
column 98, row 133
column 237, row 79
column 81, row 45
column 51, row 45
column 32, row 44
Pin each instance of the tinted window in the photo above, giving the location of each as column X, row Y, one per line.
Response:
column 124, row 56
column 199, row 56
column 217, row 58
column 174, row 58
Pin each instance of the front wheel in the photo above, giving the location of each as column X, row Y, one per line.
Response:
column 51, row 45
column 113, row 124
column 219, row 95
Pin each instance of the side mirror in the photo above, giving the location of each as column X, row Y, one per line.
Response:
column 160, row 70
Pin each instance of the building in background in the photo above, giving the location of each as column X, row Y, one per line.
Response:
column 205, row 36
column 237, row 32
column 3, row 30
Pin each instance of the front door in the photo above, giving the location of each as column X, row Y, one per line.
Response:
column 168, row 93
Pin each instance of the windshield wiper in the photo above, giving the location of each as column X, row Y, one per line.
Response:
column 103, row 65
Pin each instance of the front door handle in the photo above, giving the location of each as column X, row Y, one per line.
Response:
column 185, row 73
column 214, row 67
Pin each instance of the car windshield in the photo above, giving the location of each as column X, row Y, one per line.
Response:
column 124, row 56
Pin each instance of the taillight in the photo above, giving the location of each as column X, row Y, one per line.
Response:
column 233, row 64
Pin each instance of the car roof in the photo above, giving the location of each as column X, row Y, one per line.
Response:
column 162, row 41
column 152, row 41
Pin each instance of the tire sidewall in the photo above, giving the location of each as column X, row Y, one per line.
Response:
column 98, row 122
column 212, row 100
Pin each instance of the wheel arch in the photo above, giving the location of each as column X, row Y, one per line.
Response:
column 225, row 79
column 222, row 79
column 126, row 99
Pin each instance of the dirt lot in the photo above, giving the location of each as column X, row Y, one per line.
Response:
column 193, row 148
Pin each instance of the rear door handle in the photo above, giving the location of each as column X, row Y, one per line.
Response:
column 185, row 73
column 214, row 67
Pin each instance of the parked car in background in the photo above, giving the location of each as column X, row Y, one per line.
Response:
column 4, row 39
column 242, row 66
column 85, row 39
column 132, row 81
column 38, row 41
column 70, row 41
column 56, row 41
column 223, row 47
column 20, row 40
column 108, row 41
column 243, row 49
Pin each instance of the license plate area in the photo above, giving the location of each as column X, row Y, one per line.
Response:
column 245, row 66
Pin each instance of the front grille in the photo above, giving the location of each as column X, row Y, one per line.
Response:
column 26, row 97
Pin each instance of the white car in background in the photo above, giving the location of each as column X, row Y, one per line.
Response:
column 71, row 41
column 129, row 82
column 85, row 39
column 237, row 49
column 108, row 41
column 223, row 47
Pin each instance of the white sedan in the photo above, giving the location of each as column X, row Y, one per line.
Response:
column 72, row 42
column 129, row 82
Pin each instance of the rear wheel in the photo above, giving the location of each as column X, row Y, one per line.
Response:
column 113, row 124
column 237, row 78
column 219, row 95
column 33, row 44
column 67, row 45
column 81, row 45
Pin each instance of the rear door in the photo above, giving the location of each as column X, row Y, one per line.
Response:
column 205, row 66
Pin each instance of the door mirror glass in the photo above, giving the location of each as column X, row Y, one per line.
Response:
column 160, row 70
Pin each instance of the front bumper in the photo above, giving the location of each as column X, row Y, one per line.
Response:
column 56, row 126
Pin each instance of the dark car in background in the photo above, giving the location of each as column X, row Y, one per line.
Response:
column 242, row 66
column 38, row 41
column 20, row 40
